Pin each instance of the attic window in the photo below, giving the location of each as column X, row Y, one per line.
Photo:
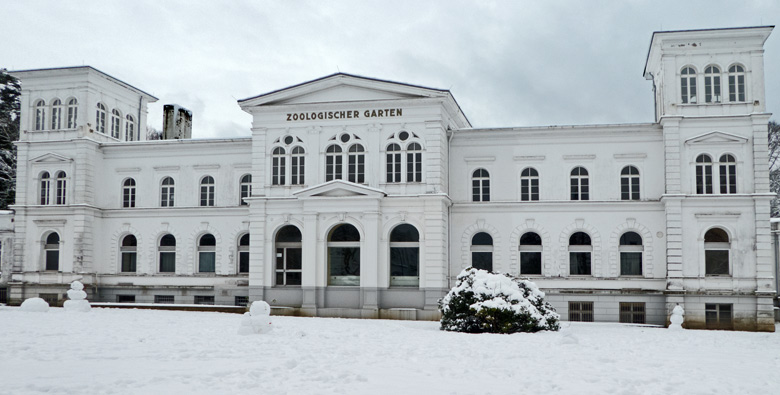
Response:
column 403, row 136
column 288, row 140
column 344, row 138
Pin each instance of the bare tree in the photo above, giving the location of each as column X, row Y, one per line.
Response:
column 9, row 132
column 774, row 166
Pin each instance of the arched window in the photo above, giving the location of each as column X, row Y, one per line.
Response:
column 404, row 256
column 45, row 190
column 62, row 188
column 344, row 255
column 116, row 119
column 73, row 111
column 393, row 163
column 56, row 114
column 736, row 83
column 356, row 161
column 530, row 254
column 482, row 251
column 703, row 174
column 580, row 250
column 166, row 192
column 289, row 256
column 129, row 252
column 333, row 163
column 100, row 118
column 277, row 166
column 716, row 252
column 297, row 166
column 630, row 254
column 129, row 128
column 245, row 188
column 207, row 255
column 629, row 183
column 529, row 184
column 128, row 193
column 480, row 186
column 712, row 84
column 580, row 189
column 40, row 115
column 728, row 174
column 413, row 163
column 688, row 85
column 243, row 254
column 51, row 251
column 167, row 252
column 207, row 191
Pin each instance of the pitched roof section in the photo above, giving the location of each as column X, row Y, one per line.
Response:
column 76, row 69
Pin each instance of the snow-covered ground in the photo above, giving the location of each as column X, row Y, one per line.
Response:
column 112, row 351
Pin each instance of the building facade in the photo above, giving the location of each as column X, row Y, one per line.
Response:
column 358, row 197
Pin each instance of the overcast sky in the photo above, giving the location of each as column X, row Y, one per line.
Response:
column 508, row 63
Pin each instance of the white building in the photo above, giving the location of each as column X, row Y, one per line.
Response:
column 360, row 197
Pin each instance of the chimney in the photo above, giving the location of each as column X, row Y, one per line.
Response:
column 177, row 122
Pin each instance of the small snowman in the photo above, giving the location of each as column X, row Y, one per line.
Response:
column 257, row 320
column 77, row 298
column 677, row 318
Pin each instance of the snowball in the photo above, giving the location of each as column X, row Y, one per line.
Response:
column 251, row 325
column 35, row 305
column 260, row 308
column 82, row 306
column 76, row 286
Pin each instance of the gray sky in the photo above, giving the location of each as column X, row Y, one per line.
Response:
column 508, row 63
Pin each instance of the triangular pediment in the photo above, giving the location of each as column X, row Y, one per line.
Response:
column 342, row 87
column 339, row 189
column 51, row 158
column 716, row 138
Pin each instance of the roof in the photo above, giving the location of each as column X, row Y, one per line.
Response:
column 90, row 68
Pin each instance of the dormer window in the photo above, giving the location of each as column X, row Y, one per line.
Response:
column 712, row 84
column 688, row 85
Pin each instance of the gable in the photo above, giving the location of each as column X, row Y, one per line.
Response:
column 344, row 93
column 51, row 158
column 339, row 189
column 716, row 138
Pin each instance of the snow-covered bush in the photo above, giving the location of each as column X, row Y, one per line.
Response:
column 482, row 301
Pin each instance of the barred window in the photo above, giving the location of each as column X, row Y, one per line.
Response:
column 204, row 299
column 580, row 190
column 56, row 114
column 100, row 118
column 356, row 160
column 166, row 192
column 128, row 193
column 529, row 184
column 125, row 298
column 581, row 311
column 728, row 174
column 712, row 84
column 688, row 85
column 277, row 166
column 393, row 163
column 241, row 301
column 245, row 189
column 736, row 83
column 169, row 299
column 480, row 186
column 629, row 183
column 207, row 191
column 703, row 174
column 632, row 312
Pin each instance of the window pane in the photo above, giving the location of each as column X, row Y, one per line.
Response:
column 128, row 262
column 579, row 263
column 294, row 258
column 206, row 261
column 344, row 261
column 243, row 262
column 630, row 263
column 717, row 261
column 167, row 262
column 404, row 261
column 52, row 260
column 294, row 278
column 531, row 263
column 482, row 260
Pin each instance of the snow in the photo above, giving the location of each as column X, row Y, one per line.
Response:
column 77, row 298
column 130, row 351
column 34, row 305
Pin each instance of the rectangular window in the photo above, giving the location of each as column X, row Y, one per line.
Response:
column 333, row 167
column 631, row 263
column 242, row 301
column 52, row 260
column 125, row 298
column 531, row 263
column 716, row 262
column 297, row 170
column 167, row 261
column 206, row 261
column 169, row 299
column 204, row 299
column 632, row 312
column 581, row 311
column 243, row 261
column 718, row 316
column 579, row 263
column 288, row 266
column 357, row 168
column 61, row 185
column 344, row 265
column 3, row 295
column 128, row 261
column 413, row 167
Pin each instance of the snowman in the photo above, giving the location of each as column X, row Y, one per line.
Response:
column 677, row 318
column 77, row 298
column 257, row 320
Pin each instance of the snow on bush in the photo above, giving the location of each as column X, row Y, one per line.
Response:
column 482, row 301
column 34, row 305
